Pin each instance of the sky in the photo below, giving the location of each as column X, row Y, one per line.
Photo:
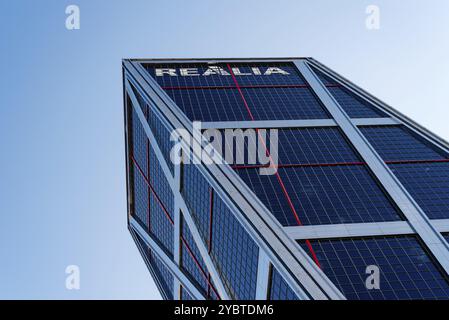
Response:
column 62, row 181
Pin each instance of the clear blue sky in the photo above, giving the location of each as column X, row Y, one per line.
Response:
column 62, row 182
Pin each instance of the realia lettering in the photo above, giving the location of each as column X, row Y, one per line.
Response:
column 215, row 70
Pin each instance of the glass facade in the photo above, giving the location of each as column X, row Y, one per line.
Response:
column 322, row 195
column 405, row 270
column 323, row 187
column 279, row 288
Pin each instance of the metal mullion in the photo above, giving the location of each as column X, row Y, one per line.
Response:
column 395, row 114
column 166, row 260
column 252, row 214
column 416, row 217
column 177, row 228
column 175, row 186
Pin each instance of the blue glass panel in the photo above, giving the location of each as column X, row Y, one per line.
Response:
column 163, row 274
column 283, row 104
column 162, row 136
column 322, row 195
column 140, row 191
column 354, row 106
column 264, row 104
column 314, row 146
column 160, row 183
column 192, row 267
column 295, row 146
column 210, row 104
column 428, row 183
column 234, row 253
column 395, row 143
column 196, row 193
column 406, row 271
column 143, row 106
column 198, row 97
column 160, row 226
column 139, row 143
column 279, row 289
column 328, row 81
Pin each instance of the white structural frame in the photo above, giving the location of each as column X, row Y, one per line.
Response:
column 277, row 244
column 415, row 216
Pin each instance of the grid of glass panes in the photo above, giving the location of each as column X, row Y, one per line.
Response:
column 214, row 92
column 192, row 261
column 354, row 106
column 428, row 184
column 279, row 288
column 163, row 273
column 164, row 277
column 232, row 250
column 322, row 195
column 153, row 198
column 405, row 269
column 234, row 253
column 196, row 193
column 323, row 177
column 397, row 143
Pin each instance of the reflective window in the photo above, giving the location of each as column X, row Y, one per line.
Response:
column 321, row 195
column 279, row 289
column 160, row 183
column 234, row 252
column 139, row 144
column 163, row 274
column 192, row 261
column 140, row 192
column 396, row 143
column 353, row 105
column 196, row 192
column 428, row 183
column 314, row 146
column 405, row 269
column 239, row 92
column 161, row 226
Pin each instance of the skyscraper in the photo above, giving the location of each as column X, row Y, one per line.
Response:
column 357, row 208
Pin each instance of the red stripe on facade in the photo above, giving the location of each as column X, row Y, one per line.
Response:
column 295, row 165
column 158, row 200
column 268, row 86
column 240, row 92
column 205, row 275
column 287, row 196
column 335, row 164
column 417, row 161
column 262, row 86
